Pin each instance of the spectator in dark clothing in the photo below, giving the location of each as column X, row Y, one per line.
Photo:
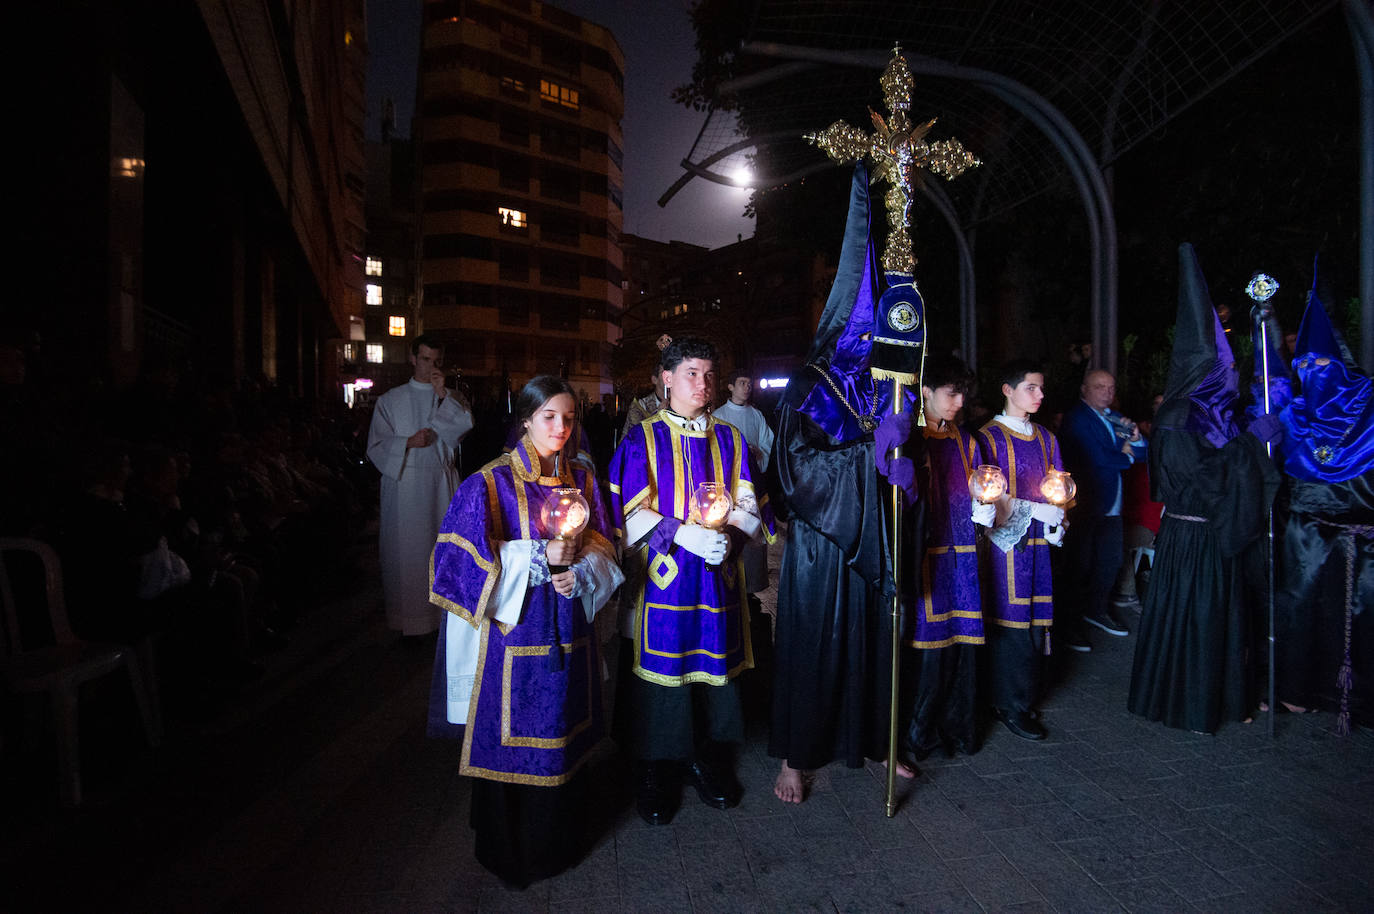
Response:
column 1099, row 444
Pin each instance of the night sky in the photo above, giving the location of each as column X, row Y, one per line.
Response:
column 658, row 41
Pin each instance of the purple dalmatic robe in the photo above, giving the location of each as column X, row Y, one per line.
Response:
column 949, row 611
column 688, row 620
column 1021, row 588
column 529, row 721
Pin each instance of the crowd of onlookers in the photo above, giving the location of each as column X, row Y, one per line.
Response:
column 192, row 517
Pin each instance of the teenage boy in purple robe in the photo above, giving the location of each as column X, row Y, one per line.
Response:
column 946, row 623
column 1019, row 601
column 687, row 622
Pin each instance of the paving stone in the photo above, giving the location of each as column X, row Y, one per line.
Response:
column 1089, row 800
column 516, row 901
column 704, row 863
column 1224, row 854
column 994, row 883
column 665, row 899
column 1152, row 895
column 1068, row 888
column 860, row 893
column 1051, row 771
column 726, row 895
column 584, row 881
column 1193, row 880
column 956, row 842
column 1276, row 891
column 949, row 901
column 914, row 873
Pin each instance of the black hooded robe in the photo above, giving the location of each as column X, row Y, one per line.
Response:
column 1193, row 657
column 833, row 642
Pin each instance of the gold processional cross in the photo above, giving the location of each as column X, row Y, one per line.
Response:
column 898, row 151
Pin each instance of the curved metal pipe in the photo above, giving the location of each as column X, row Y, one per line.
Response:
column 1362, row 34
column 967, row 326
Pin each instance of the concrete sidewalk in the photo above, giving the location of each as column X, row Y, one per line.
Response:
column 319, row 792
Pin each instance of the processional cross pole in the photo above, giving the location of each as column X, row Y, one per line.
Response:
column 898, row 152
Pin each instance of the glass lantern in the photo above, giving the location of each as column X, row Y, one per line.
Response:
column 711, row 505
column 986, row 483
column 1058, row 487
column 564, row 515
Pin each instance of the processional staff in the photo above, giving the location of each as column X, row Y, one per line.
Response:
column 1261, row 289
column 898, row 152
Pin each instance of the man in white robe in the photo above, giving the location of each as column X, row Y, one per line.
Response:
column 759, row 437
column 415, row 429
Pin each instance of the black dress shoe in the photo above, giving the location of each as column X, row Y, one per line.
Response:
column 1108, row 622
column 717, row 787
column 659, row 792
column 1076, row 640
column 1022, row 724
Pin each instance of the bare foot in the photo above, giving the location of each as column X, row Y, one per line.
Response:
column 903, row 771
column 790, row 787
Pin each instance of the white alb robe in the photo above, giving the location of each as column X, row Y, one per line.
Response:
column 759, row 437
column 417, row 486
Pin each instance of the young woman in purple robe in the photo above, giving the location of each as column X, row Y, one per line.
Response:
column 517, row 674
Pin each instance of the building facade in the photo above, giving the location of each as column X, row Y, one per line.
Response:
column 202, row 190
column 379, row 358
column 521, row 183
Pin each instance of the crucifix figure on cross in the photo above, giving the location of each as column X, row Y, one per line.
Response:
column 898, row 150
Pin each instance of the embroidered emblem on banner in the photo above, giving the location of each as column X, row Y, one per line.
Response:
column 903, row 318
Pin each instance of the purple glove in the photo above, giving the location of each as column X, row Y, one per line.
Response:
column 1268, row 429
column 894, row 430
column 901, row 472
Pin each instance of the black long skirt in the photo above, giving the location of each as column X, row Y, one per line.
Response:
column 940, row 687
column 527, row 833
column 1193, row 657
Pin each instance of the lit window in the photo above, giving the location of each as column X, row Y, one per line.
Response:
column 128, row 168
column 350, row 353
column 512, row 217
column 562, row 95
column 396, row 326
column 511, row 84
column 374, row 294
column 374, row 266
column 374, row 352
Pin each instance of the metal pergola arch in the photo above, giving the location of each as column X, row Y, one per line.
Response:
column 1113, row 73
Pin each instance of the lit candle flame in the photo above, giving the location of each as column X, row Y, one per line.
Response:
column 986, row 483
column 713, row 504
column 1058, row 487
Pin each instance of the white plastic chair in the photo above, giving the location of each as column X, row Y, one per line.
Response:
column 61, row 668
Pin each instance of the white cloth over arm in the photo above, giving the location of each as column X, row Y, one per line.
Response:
column 461, row 641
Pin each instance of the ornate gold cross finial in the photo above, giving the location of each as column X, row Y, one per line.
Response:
column 898, row 151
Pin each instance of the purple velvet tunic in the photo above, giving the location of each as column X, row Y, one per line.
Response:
column 689, row 619
column 527, row 723
column 1020, row 578
column 949, row 611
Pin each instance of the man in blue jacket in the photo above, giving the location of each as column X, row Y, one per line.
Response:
column 1098, row 445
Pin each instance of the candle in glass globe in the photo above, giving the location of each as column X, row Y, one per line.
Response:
column 1058, row 487
column 565, row 513
column 711, row 504
column 986, row 483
